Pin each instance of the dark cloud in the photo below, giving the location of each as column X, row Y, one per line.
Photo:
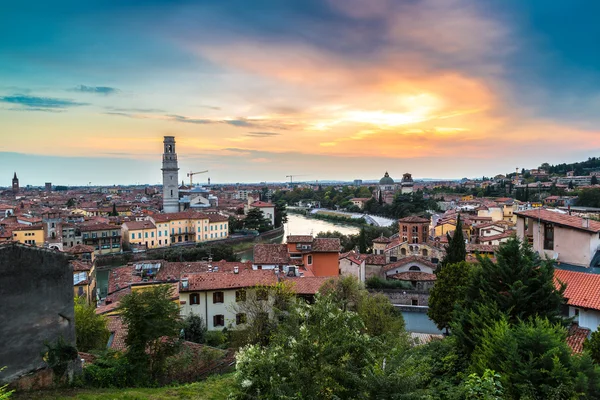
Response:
column 263, row 134
column 34, row 103
column 105, row 90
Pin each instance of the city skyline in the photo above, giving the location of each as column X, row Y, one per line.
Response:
column 331, row 90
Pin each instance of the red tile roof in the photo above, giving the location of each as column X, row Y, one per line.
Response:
column 326, row 245
column 375, row 259
column 299, row 239
column 135, row 225
column 271, row 254
column 408, row 260
column 118, row 332
column 382, row 239
column 178, row 216
column 217, row 218
column 576, row 338
column 570, row 221
column 229, row 280
column 413, row 220
column 80, row 266
column 583, row 289
column 261, row 204
column 307, row 285
column 80, row 249
column 414, row 276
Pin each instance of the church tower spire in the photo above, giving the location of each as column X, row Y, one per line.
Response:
column 15, row 184
column 170, row 176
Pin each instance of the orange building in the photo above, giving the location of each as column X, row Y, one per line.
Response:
column 319, row 255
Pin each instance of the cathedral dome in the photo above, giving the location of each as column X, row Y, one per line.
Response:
column 386, row 180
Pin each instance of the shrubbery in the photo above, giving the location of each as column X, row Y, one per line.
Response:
column 375, row 282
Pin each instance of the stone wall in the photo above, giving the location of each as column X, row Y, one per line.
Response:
column 36, row 288
column 405, row 297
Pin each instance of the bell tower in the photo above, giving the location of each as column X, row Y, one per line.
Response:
column 15, row 184
column 170, row 176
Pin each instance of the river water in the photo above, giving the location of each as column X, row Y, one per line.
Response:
column 301, row 225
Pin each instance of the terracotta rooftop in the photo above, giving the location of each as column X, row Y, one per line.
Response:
column 80, row 249
column 413, row 220
column 414, row 276
column 482, row 248
column 275, row 254
column 262, row 204
column 576, row 338
column 408, row 260
column 79, row 266
column 178, row 216
column 98, row 227
column 496, row 237
column 229, row 280
column 583, row 289
column 326, row 245
column 217, row 218
column 299, row 239
column 569, row 221
column 118, row 332
column 135, row 225
column 307, row 285
column 375, row 259
column 382, row 239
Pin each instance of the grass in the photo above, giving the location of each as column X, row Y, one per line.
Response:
column 216, row 387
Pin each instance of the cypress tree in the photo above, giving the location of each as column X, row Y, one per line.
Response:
column 362, row 241
column 456, row 250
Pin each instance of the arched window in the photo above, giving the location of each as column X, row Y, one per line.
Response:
column 425, row 253
column 414, row 268
column 403, row 251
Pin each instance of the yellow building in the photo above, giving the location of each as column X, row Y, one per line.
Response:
column 189, row 226
column 33, row 235
column 467, row 197
column 449, row 225
column 140, row 233
column 84, row 280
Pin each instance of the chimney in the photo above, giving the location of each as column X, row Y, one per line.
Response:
column 585, row 222
column 236, row 269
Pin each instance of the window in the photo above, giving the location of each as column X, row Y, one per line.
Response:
column 394, row 258
column 219, row 320
column 548, row 237
column 425, row 253
column 133, row 235
column 262, row 294
column 309, row 260
column 414, row 268
column 139, row 235
column 404, row 228
column 415, row 302
column 240, row 318
column 240, row 295
column 218, row 297
column 152, row 234
column 194, row 298
column 403, row 251
column 146, row 235
column 159, row 233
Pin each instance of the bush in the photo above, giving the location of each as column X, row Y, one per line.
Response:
column 111, row 369
column 216, row 338
column 58, row 356
column 194, row 328
column 376, row 282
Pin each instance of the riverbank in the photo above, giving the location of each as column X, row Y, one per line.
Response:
column 331, row 216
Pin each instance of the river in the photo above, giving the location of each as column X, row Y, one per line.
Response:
column 301, row 225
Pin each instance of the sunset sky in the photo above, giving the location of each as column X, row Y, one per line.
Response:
column 329, row 89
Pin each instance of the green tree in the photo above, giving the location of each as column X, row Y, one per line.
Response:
column 256, row 220
column 362, row 241
column 153, row 328
column 71, row 203
column 449, row 290
column 280, row 213
column 4, row 392
column 594, row 180
column 90, row 328
column 571, row 185
column 534, row 361
column 321, row 352
column 592, row 346
column 486, row 387
column 519, row 285
column 456, row 250
column 114, row 212
column 194, row 328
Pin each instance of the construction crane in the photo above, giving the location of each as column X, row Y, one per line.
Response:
column 292, row 178
column 191, row 175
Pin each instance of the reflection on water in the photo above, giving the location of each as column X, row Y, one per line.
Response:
column 419, row 322
column 300, row 225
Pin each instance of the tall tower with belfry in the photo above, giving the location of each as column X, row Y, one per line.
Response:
column 15, row 184
column 170, row 176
